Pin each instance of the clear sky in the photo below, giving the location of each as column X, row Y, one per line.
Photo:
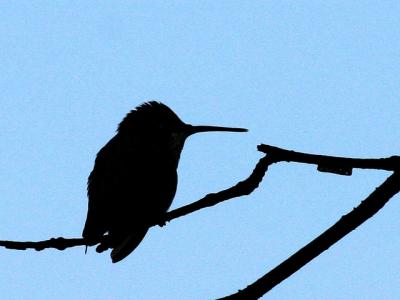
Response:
column 312, row 76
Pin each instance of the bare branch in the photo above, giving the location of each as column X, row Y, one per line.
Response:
column 56, row 243
column 244, row 187
column 370, row 206
column 331, row 163
column 346, row 224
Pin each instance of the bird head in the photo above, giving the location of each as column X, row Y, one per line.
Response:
column 155, row 123
column 157, row 118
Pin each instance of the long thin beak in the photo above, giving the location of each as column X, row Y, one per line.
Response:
column 190, row 129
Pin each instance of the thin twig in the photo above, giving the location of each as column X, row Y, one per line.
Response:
column 59, row 243
column 389, row 164
column 244, row 187
column 370, row 206
column 339, row 165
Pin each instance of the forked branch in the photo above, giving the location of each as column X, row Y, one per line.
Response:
column 339, row 165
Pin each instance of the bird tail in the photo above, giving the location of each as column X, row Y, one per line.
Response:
column 127, row 245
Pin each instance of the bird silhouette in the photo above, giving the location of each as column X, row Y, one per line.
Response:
column 134, row 178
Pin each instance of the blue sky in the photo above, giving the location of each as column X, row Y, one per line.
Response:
column 312, row 76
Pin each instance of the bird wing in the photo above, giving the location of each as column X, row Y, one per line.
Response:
column 126, row 191
column 99, row 185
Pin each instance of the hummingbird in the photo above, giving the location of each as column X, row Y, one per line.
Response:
column 134, row 178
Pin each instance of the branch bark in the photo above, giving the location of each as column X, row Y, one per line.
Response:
column 370, row 206
column 339, row 165
column 331, row 163
column 244, row 187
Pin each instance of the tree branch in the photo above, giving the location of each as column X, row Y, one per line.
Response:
column 59, row 243
column 244, row 187
column 334, row 164
column 338, row 165
column 370, row 206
